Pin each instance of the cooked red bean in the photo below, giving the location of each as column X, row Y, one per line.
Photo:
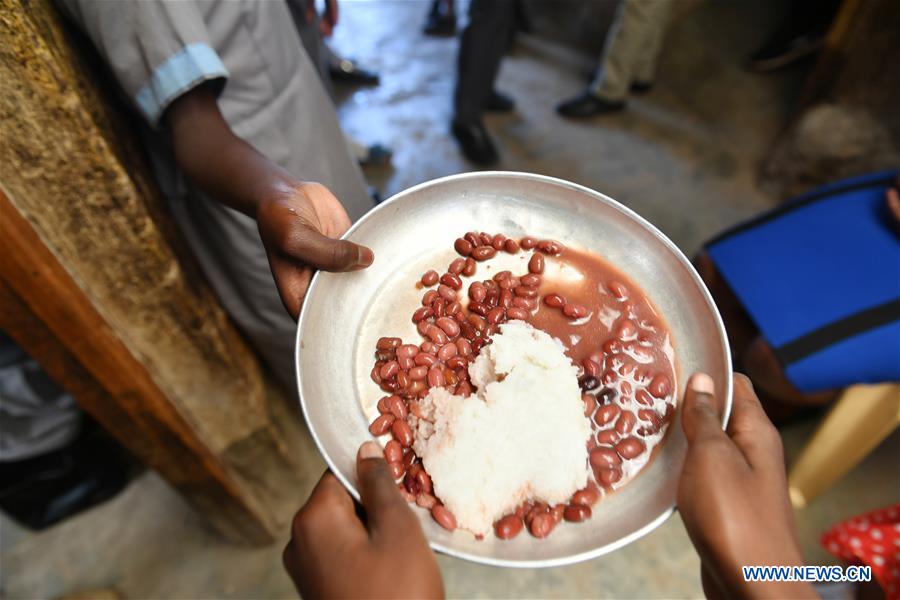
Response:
column 436, row 335
column 589, row 404
column 618, row 290
column 447, row 352
column 422, row 313
column 626, row 422
column 528, row 242
column 426, row 501
column 424, row 359
column 402, row 432
column 626, row 329
column 470, row 267
column 421, row 372
column 429, row 297
column 381, row 425
column 607, row 477
column 530, row 280
column 498, row 241
column 514, row 312
column 591, row 368
column 397, row 469
column 424, row 481
column 602, row 457
column 463, row 246
column 375, row 376
column 496, row 315
column 393, row 451
column 410, row 483
column 478, row 323
column 448, row 326
column 397, row 407
column 407, row 351
column 509, row 526
column 575, row 513
column 382, row 405
column 536, row 264
column 463, row 347
column 587, row 496
column 630, row 447
column 436, row 377
column 456, row 362
column 463, row 389
column 443, row 517
column 550, row 247
column 575, row 311
column 608, row 436
column 472, row 238
column 453, row 309
column 526, row 304
column 446, row 292
column 477, row 291
column 505, row 299
column 483, row 253
column 386, row 343
column 389, row 370
column 511, row 246
column 501, row 275
column 429, row 278
column 644, row 397
column 508, row 283
column 527, row 292
column 403, row 379
column 456, row 266
column 605, row 414
column 660, row 386
column 554, row 301
column 541, row 525
column 486, row 238
column 452, row 281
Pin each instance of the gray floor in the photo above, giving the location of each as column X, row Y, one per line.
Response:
column 684, row 156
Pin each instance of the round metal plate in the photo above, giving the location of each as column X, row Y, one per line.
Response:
column 344, row 314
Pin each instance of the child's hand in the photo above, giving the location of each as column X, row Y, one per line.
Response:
column 733, row 493
column 333, row 554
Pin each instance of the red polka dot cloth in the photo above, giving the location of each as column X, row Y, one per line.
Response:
column 871, row 539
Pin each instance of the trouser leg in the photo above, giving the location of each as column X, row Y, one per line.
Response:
column 480, row 51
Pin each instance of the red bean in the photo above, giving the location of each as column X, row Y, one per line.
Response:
column 407, row 351
column 526, row 304
column 452, row 281
column 470, row 267
column 436, row 377
column 448, row 326
column 381, row 425
column 517, row 313
column 478, row 308
column 505, row 299
column 375, row 376
column 591, row 369
column 511, row 246
column 527, row 292
column 402, row 432
column 472, row 238
column 456, row 362
column 626, row 422
column 436, row 335
column 575, row 513
column 443, row 517
column 605, row 414
column 607, row 477
column 608, row 436
column 447, row 352
column 389, row 370
column 587, row 496
column 554, row 301
column 446, row 292
column 630, row 447
column 536, row 264
column 424, row 481
column 397, row 469
column 382, row 405
column 477, row 291
column 626, row 329
column 397, row 407
column 486, row 238
column 393, row 452
column 462, row 246
column 528, row 242
column 483, row 253
column 429, row 297
column 550, row 247
column 509, row 526
column 453, row 309
column 660, row 386
column 386, row 343
column 530, row 280
column 575, row 311
column 643, row 397
column 618, row 290
column 498, row 241
column 478, row 323
column 425, row 359
column 602, row 457
column 496, row 315
column 422, row 313
column 429, row 278
column 541, row 525
column 456, row 266
column 426, row 501
column 419, row 373
column 464, row 347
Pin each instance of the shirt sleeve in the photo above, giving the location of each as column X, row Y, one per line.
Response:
column 157, row 49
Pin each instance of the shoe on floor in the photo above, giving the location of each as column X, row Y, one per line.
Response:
column 499, row 102
column 641, row 87
column 475, row 142
column 349, row 72
column 779, row 53
column 440, row 23
column 587, row 105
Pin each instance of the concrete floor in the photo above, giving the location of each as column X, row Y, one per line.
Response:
column 683, row 156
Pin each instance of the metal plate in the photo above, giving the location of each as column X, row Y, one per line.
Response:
column 344, row 314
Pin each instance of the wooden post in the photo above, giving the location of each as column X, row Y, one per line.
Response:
column 97, row 288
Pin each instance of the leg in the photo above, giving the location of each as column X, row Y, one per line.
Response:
column 863, row 417
column 635, row 34
column 648, row 55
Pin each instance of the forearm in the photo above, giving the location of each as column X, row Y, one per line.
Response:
column 221, row 164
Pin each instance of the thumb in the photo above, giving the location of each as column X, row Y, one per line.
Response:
column 385, row 508
column 699, row 417
column 328, row 254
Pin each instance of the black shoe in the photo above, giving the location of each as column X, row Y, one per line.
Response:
column 475, row 143
column 40, row 491
column 499, row 102
column 781, row 52
column 349, row 72
column 641, row 87
column 438, row 23
column 586, row 105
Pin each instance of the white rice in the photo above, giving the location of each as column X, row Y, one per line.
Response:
column 520, row 436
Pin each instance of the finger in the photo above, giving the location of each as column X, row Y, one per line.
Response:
column 385, row 508
column 751, row 430
column 329, row 511
column 699, row 416
column 322, row 252
column 893, row 202
column 292, row 281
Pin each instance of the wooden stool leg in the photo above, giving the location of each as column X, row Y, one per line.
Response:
column 862, row 417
